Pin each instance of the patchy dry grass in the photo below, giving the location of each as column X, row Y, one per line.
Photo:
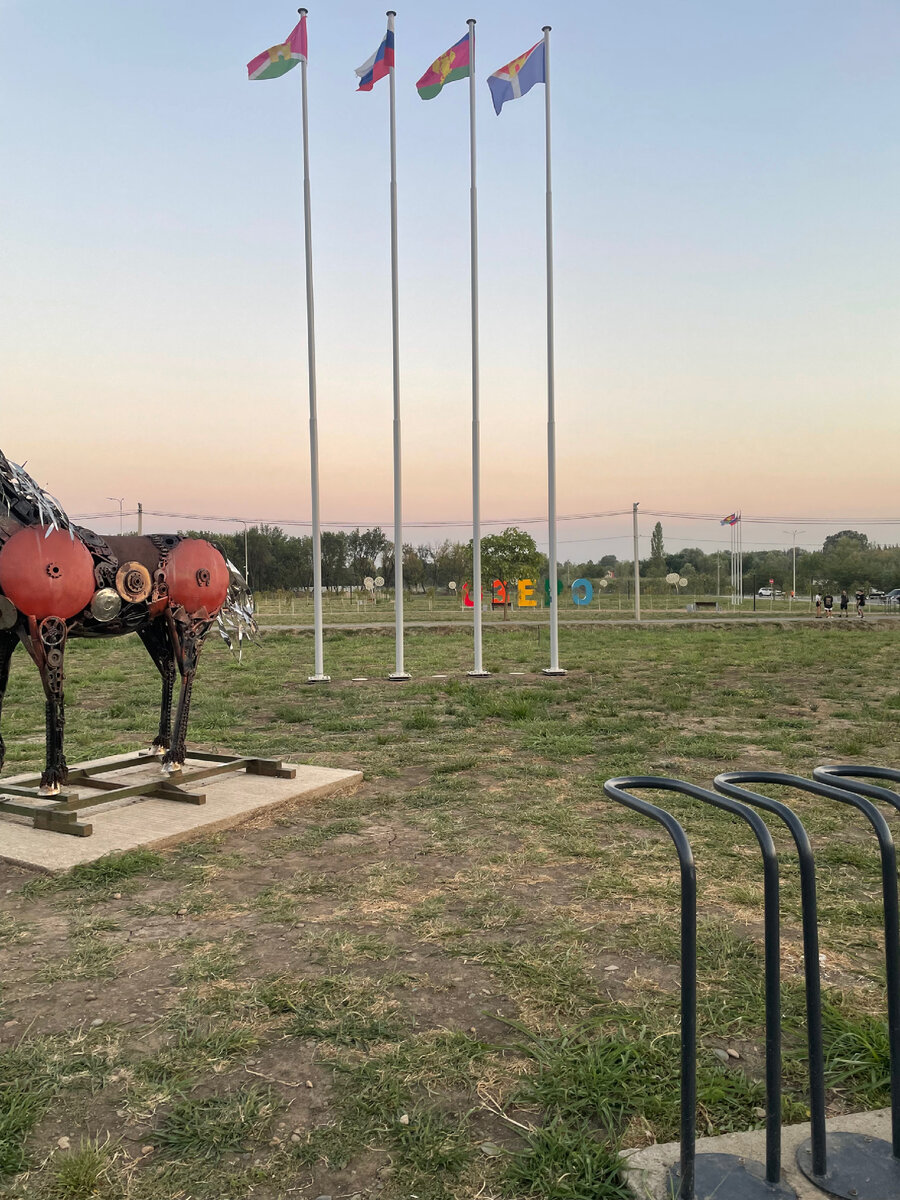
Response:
column 462, row 979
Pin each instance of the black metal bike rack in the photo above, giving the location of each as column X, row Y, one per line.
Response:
column 723, row 1176
column 851, row 1166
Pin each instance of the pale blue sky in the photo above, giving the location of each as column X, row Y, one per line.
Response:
column 725, row 188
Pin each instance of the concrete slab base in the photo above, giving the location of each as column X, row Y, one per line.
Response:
column 648, row 1168
column 146, row 822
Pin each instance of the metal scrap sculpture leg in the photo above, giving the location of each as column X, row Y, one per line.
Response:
column 8, row 643
column 159, row 646
column 48, row 643
column 188, row 642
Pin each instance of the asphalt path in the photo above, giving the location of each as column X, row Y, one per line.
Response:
column 719, row 620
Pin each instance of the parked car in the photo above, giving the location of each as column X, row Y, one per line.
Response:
column 764, row 591
column 876, row 596
column 893, row 596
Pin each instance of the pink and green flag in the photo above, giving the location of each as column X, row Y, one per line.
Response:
column 453, row 64
column 278, row 60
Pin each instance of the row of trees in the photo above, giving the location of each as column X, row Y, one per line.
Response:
column 277, row 561
column 846, row 560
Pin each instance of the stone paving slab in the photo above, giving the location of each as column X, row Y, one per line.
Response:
column 147, row 822
column 648, row 1168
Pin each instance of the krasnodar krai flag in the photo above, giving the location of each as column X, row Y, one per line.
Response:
column 380, row 63
column 452, row 65
column 731, row 519
column 518, row 77
column 277, row 60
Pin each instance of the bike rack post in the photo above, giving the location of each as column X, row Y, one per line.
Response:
column 725, row 1176
column 861, row 1167
column 849, row 778
column 727, row 783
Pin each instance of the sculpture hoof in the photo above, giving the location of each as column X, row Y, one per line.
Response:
column 153, row 751
column 49, row 789
column 171, row 768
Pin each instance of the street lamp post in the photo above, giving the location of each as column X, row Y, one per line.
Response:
column 120, row 500
column 793, row 533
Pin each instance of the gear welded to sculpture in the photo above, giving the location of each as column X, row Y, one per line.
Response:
column 59, row 580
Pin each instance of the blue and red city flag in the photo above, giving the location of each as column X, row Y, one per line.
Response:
column 518, row 77
column 731, row 519
column 380, row 63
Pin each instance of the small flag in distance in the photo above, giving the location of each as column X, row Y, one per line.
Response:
column 453, row 64
column 518, row 76
column 278, row 60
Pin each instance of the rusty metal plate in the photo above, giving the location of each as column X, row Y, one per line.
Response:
column 133, row 582
column 9, row 614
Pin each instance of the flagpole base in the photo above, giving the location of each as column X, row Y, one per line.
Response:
column 478, row 674
column 399, row 677
column 319, row 679
column 554, row 671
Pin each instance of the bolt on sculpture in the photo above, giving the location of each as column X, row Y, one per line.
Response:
column 59, row 580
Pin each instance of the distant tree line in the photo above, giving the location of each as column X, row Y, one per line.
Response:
column 278, row 561
column 846, row 560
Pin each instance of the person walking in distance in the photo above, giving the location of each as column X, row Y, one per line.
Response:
column 861, row 604
column 828, row 603
column 845, row 601
column 818, row 605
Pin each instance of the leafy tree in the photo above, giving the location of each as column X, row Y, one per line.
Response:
column 657, row 549
column 509, row 556
column 833, row 539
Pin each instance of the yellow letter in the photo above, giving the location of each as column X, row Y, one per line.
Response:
column 526, row 594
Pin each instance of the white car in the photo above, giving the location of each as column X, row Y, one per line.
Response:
column 764, row 591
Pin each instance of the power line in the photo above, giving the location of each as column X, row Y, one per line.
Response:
column 464, row 522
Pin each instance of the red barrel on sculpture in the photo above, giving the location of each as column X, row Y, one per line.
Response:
column 46, row 574
column 197, row 576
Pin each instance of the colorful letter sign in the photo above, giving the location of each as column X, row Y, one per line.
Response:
column 582, row 592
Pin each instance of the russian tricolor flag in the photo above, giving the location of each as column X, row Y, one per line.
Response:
column 380, row 63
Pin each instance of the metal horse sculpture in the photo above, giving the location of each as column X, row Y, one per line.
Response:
column 58, row 580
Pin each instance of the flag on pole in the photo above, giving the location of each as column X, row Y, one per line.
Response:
column 380, row 63
column 278, row 60
column 731, row 519
column 518, row 77
column 454, row 64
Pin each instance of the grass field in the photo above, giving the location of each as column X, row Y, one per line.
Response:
column 460, row 981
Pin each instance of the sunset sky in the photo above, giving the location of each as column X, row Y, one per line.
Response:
column 727, row 245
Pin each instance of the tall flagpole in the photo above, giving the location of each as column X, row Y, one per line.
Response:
column 398, row 672
column 554, row 668
column 319, row 676
column 476, row 381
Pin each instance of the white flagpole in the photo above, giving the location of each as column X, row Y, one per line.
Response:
column 741, row 556
column 476, row 381
column 637, row 564
column 554, row 668
column 398, row 672
column 319, row 676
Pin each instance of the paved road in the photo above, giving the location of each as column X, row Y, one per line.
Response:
column 465, row 626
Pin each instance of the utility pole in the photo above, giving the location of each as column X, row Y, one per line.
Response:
column 140, row 518
column 793, row 533
column 637, row 565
